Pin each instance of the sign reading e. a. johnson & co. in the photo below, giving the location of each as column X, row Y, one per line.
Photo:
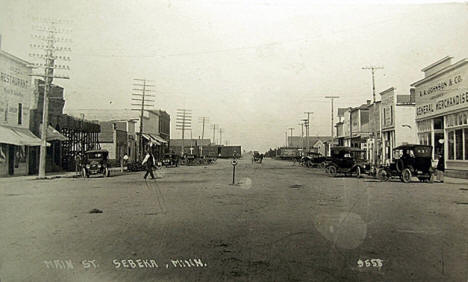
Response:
column 444, row 93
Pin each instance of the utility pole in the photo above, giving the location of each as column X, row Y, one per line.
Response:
column 48, row 34
column 214, row 126
column 143, row 99
column 332, row 113
column 374, row 149
column 203, row 120
column 373, row 69
column 183, row 123
column 291, row 129
column 302, row 136
column 307, row 130
column 221, row 136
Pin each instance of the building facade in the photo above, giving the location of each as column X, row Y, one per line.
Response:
column 442, row 113
column 16, row 95
column 397, row 122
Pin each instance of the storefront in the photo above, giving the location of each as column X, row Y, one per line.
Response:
column 442, row 113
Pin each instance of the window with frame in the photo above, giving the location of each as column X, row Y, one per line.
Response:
column 450, row 145
column 459, row 144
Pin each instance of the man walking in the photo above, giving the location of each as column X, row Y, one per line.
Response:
column 149, row 161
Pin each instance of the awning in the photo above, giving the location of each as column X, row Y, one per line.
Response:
column 159, row 139
column 18, row 136
column 53, row 134
column 151, row 139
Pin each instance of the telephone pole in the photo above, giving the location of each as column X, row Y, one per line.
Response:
column 203, row 120
column 307, row 129
column 373, row 69
column 374, row 147
column 302, row 136
column 291, row 129
column 183, row 123
column 332, row 98
column 221, row 136
column 214, row 126
column 143, row 99
column 48, row 34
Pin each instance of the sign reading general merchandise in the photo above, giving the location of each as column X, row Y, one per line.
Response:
column 446, row 94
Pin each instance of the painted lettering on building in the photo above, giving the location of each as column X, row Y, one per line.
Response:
column 441, row 85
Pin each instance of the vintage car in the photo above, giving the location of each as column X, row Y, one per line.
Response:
column 411, row 160
column 170, row 160
column 347, row 161
column 314, row 159
column 95, row 162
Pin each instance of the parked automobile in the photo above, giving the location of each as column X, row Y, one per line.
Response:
column 347, row 161
column 170, row 160
column 313, row 160
column 95, row 162
column 408, row 161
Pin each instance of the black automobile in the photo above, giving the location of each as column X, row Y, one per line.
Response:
column 314, row 160
column 347, row 161
column 411, row 160
column 170, row 160
column 95, row 162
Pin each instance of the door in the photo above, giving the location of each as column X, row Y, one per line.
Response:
column 11, row 159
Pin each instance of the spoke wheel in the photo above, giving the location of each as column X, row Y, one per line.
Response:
column 383, row 175
column 332, row 171
column 406, row 175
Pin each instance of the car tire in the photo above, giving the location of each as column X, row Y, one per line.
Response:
column 383, row 175
column 332, row 170
column 406, row 175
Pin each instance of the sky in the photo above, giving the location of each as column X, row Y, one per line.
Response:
column 253, row 67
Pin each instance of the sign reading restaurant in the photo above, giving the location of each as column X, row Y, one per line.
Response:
column 442, row 94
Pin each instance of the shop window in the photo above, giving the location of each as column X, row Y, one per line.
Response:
column 459, row 144
column 450, row 145
column 439, row 123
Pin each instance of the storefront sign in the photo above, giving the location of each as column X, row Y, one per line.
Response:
column 443, row 95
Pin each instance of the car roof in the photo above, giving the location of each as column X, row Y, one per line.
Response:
column 411, row 146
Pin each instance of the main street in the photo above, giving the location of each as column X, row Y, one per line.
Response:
column 279, row 223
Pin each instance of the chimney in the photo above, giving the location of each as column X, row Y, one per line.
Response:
column 412, row 95
column 368, row 102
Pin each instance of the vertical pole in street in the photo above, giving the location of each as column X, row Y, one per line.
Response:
column 203, row 120
column 307, row 130
column 142, row 101
column 183, row 123
column 214, row 133
column 291, row 129
column 50, row 64
column 332, row 98
column 374, row 147
column 302, row 136
column 221, row 136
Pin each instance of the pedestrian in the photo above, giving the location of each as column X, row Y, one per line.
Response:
column 149, row 161
column 440, row 168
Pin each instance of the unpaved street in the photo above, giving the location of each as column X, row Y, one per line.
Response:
column 279, row 223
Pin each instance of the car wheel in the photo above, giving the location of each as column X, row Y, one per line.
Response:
column 383, row 175
column 406, row 175
column 332, row 170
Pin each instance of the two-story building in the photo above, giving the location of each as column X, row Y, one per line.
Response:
column 442, row 113
column 15, row 99
column 397, row 122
